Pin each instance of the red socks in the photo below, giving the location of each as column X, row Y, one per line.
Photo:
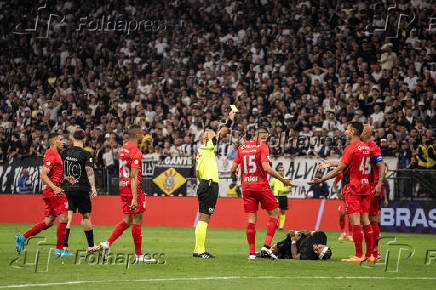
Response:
column 118, row 231
column 61, row 234
column 357, row 239
column 342, row 224
column 251, row 237
column 367, row 230
column 35, row 230
column 270, row 230
column 375, row 236
column 137, row 238
column 350, row 228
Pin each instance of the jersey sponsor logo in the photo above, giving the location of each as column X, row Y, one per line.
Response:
column 169, row 180
column 361, row 148
column 71, row 158
column 250, row 179
column 124, row 183
column 211, row 209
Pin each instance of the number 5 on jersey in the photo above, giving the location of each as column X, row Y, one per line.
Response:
column 365, row 165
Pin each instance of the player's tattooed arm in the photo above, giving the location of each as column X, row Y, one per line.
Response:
column 91, row 178
column 295, row 239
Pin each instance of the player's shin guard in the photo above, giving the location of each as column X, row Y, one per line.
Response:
column 200, row 236
column 270, row 230
column 251, row 237
column 282, row 221
column 367, row 230
column 137, row 238
column 60, row 235
column 35, row 230
column 375, row 237
column 357, row 238
column 118, row 231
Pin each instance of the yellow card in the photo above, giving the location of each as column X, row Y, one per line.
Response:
column 234, row 109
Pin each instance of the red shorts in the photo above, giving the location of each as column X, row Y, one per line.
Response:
column 266, row 198
column 374, row 206
column 342, row 206
column 55, row 205
column 357, row 203
column 126, row 201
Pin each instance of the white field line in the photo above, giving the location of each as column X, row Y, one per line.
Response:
column 211, row 278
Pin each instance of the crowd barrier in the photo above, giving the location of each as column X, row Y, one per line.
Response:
column 178, row 212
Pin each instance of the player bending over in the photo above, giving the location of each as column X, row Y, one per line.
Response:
column 302, row 245
column 132, row 197
column 56, row 204
column 356, row 165
column 77, row 162
column 253, row 156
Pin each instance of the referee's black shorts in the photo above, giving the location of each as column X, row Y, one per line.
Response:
column 283, row 202
column 79, row 201
column 207, row 193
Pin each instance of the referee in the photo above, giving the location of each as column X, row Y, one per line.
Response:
column 78, row 164
column 281, row 193
column 207, row 191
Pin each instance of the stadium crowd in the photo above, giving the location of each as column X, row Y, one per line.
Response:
column 303, row 68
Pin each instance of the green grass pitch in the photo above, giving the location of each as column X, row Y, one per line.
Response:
column 230, row 270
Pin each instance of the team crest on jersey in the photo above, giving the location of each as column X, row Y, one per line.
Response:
column 169, row 180
column 48, row 163
column 136, row 162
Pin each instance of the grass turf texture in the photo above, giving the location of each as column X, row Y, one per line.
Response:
column 230, row 270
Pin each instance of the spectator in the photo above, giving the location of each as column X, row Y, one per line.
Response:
column 319, row 190
column 24, row 183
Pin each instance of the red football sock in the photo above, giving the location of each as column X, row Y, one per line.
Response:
column 137, row 238
column 61, row 233
column 35, row 230
column 342, row 224
column 357, row 239
column 118, row 231
column 367, row 230
column 270, row 230
column 251, row 237
column 375, row 237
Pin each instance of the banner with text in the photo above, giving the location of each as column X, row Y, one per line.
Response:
column 170, row 174
column 11, row 172
column 409, row 217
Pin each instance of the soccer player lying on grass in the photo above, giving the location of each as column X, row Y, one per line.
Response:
column 302, row 245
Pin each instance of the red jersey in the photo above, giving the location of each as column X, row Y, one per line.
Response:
column 376, row 157
column 129, row 157
column 53, row 161
column 250, row 156
column 357, row 174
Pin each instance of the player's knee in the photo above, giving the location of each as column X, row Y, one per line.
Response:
column 275, row 213
column 86, row 216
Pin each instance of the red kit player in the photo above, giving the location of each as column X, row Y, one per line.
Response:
column 253, row 156
column 132, row 197
column 343, row 219
column 356, row 166
column 377, row 175
column 56, row 204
